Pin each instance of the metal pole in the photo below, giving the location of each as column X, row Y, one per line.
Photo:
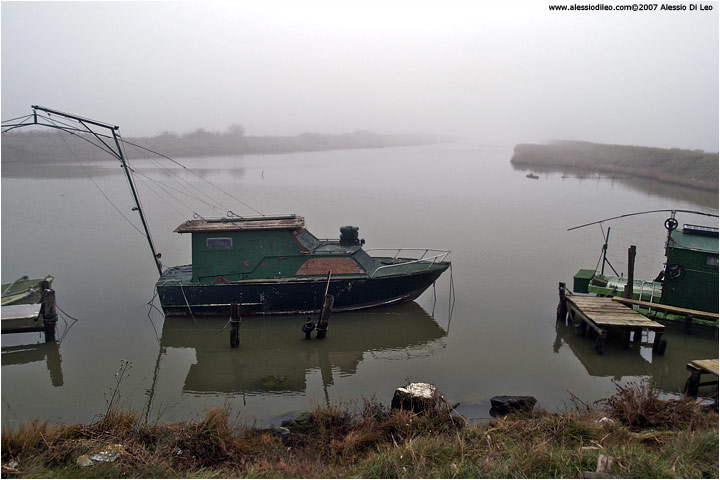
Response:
column 137, row 202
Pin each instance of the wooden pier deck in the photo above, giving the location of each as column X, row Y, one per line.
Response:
column 698, row 368
column 602, row 313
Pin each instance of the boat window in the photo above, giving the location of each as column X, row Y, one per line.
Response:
column 711, row 260
column 365, row 260
column 307, row 240
column 219, row 243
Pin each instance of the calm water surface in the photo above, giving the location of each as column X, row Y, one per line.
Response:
column 510, row 248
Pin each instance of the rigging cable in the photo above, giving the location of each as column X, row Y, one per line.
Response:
column 98, row 186
column 170, row 204
column 188, row 185
column 194, row 173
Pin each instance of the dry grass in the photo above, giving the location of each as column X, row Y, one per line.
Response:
column 647, row 437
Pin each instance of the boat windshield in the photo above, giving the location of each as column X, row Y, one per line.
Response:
column 365, row 260
column 307, row 240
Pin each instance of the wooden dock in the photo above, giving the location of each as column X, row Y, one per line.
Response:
column 602, row 313
column 31, row 317
column 698, row 368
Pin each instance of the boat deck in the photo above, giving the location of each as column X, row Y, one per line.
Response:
column 602, row 313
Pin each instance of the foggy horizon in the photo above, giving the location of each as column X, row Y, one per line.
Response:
column 495, row 72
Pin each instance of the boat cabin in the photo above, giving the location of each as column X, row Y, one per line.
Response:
column 691, row 272
column 269, row 247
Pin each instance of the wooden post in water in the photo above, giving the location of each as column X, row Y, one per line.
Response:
column 325, row 316
column 235, row 324
column 48, row 311
column 688, row 324
column 628, row 293
column 562, row 305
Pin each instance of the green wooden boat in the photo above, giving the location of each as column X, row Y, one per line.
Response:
column 274, row 265
column 689, row 279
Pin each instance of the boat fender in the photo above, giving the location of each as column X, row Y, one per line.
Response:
column 308, row 327
column 675, row 272
column 671, row 224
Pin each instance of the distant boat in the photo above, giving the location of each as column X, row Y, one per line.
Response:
column 532, row 175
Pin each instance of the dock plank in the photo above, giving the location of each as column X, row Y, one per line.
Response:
column 709, row 366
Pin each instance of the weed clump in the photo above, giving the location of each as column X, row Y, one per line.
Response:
column 639, row 407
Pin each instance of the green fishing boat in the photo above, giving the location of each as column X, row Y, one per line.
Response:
column 688, row 280
column 274, row 265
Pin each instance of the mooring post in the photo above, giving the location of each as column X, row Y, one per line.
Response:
column 562, row 305
column 627, row 332
column 637, row 335
column 628, row 293
column 659, row 344
column 688, row 324
column 48, row 311
column 325, row 316
column 235, row 324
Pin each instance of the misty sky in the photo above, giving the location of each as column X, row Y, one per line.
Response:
column 501, row 73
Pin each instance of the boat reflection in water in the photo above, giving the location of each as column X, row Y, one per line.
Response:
column 274, row 356
column 667, row 372
column 36, row 352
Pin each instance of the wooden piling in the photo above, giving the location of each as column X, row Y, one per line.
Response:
column 325, row 316
column 48, row 311
column 628, row 293
column 562, row 305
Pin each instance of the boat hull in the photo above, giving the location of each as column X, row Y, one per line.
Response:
column 293, row 296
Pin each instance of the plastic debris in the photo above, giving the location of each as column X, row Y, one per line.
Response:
column 110, row 453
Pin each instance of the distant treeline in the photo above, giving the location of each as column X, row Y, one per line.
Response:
column 691, row 168
column 48, row 146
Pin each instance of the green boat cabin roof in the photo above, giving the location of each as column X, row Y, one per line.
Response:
column 692, row 237
column 236, row 224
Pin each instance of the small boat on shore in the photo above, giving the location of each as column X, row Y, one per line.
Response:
column 274, row 265
column 532, row 175
column 24, row 290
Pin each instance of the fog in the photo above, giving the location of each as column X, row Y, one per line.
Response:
column 501, row 73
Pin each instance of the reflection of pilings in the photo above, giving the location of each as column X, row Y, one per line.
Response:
column 325, row 369
column 50, row 352
column 151, row 390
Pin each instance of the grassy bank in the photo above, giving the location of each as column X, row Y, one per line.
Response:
column 640, row 434
column 50, row 147
column 689, row 168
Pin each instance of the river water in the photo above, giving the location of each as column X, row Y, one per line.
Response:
column 510, row 248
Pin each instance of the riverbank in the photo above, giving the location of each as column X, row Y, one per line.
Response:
column 633, row 433
column 50, row 147
column 687, row 168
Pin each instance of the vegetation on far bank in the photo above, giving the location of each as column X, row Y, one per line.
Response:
column 631, row 434
column 49, row 146
column 690, row 168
